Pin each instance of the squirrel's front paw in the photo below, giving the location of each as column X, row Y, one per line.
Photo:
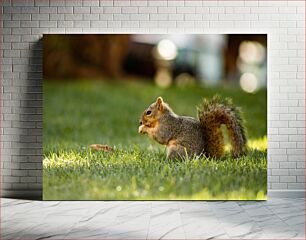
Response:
column 141, row 129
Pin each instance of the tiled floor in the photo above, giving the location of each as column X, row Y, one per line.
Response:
column 273, row 219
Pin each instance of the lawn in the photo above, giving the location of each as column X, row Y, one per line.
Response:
column 80, row 113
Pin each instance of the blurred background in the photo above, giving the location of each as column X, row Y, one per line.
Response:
column 238, row 60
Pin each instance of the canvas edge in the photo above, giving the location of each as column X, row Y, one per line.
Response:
column 37, row 194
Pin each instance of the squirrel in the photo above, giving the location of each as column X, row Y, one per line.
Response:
column 187, row 137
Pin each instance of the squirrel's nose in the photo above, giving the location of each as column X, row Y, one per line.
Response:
column 140, row 122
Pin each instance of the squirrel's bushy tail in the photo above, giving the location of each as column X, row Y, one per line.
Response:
column 212, row 114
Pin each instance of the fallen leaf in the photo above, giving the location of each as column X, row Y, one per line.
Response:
column 99, row 147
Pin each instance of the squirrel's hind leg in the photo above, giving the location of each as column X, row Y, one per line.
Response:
column 176, row 151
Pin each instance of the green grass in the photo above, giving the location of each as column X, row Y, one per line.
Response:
column 77, row 114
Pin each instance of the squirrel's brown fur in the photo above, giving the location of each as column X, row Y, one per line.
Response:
column 186, row 136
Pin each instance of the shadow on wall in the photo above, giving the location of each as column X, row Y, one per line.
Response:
column 31, row 97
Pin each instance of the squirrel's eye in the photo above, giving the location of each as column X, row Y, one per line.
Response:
column 148, row 112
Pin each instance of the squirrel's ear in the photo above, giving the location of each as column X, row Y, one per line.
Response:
column 159, row 103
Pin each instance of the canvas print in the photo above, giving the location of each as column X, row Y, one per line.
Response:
column 155, row 117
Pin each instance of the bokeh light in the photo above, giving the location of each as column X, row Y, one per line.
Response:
column 249, row 82
column 163, row 78
column 251, row 52
column 167, row 49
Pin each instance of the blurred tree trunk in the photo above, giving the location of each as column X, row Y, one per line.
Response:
column 84, row 55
